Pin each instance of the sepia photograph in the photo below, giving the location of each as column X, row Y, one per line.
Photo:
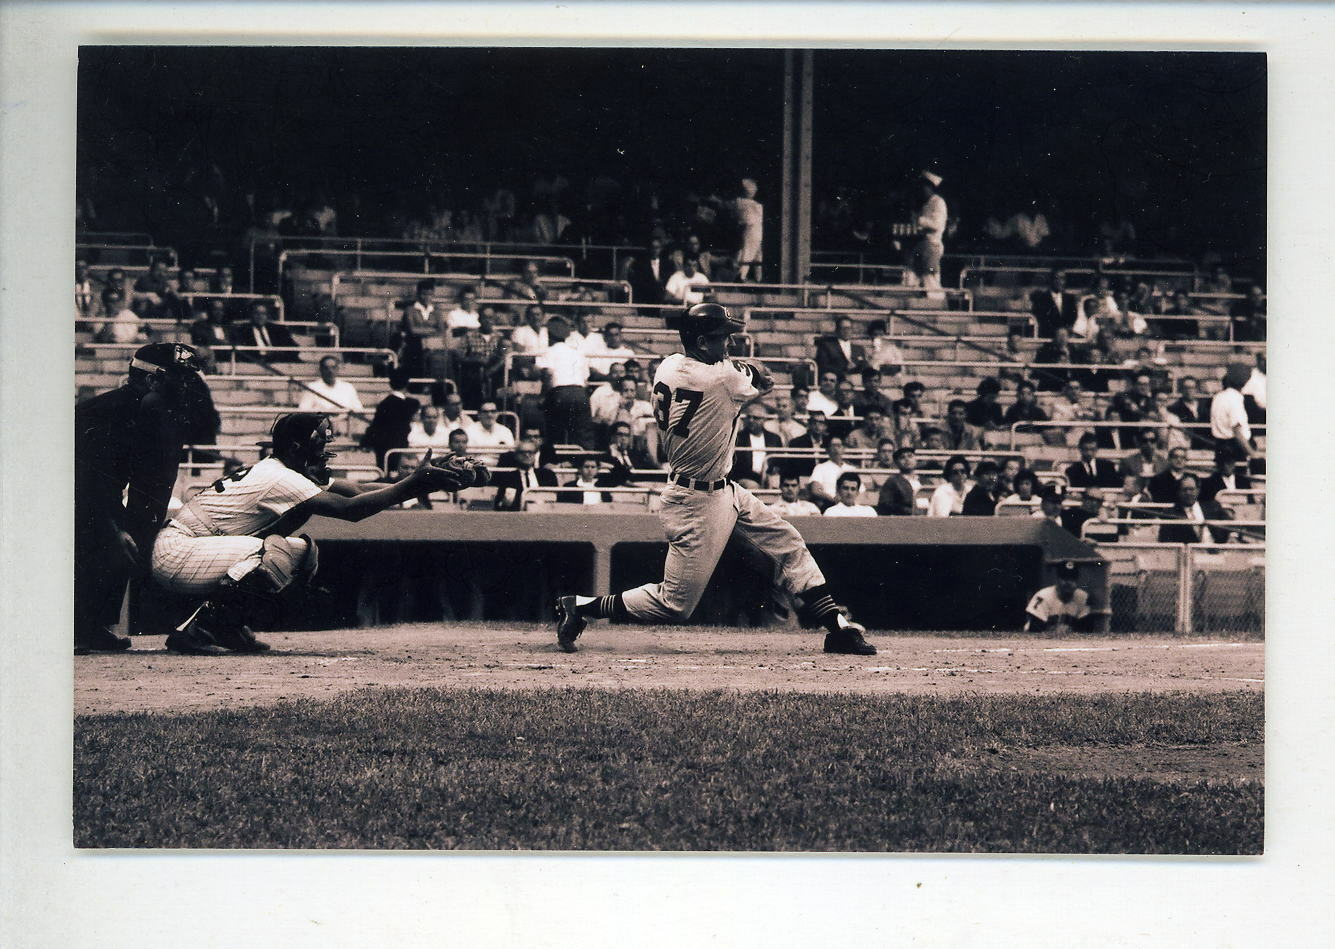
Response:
column 740, row 449
column 655, row 474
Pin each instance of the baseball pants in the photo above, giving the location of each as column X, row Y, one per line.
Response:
column 698, row 525
column 184, row 563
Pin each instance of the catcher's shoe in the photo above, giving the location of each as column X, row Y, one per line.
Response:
column 239, row 639
column 100, row 639
column 194, row 640
column 569, row 624
column 848, row 641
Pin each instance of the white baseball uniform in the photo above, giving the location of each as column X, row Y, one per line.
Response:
column 216, row 535
column 696, row 406
column 1048, row 606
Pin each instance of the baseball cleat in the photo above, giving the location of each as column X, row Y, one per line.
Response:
column 100, row 640
column 849, row 641
column 240, row 639
column 194, row 640
column 569, row 624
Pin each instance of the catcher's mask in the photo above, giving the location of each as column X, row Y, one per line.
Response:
column 301, row 441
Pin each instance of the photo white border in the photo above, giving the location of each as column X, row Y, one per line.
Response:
column 55, row 896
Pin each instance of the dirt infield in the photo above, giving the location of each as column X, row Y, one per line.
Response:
column 324, row 664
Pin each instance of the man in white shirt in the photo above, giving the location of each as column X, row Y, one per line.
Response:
column 428, row 431
column 823, row 400
column 604, row 399
column 587, row 479
column 884, row 355
column 602, row 348
column 464, row 315
column 487, row 436
column 530, row 339
column 949, row 496
column 634, row 411
column 789, row 504
column 825, row 476
column 847, row 488
column 1228, row 415
column 330, row 393
column 565, row 370
column 1255, row 386
column 683, row 286
column 123, row 324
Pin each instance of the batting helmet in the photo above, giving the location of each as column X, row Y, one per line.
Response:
column 166, row 357
column 710, row 319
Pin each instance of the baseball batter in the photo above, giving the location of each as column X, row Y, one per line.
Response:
column 231, row 543
column 697, row 398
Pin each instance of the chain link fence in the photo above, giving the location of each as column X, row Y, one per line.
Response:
column 1200, row 588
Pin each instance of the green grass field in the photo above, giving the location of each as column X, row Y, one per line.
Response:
column 668, row 770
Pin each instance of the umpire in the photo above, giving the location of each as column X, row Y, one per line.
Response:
column 127, row 448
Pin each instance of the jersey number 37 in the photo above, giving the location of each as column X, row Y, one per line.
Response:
column 663, row 399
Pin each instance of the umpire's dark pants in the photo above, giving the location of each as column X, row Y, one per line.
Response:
column 569, row 420
column 100, row 571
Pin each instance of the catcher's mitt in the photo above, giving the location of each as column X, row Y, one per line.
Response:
column 466, row 470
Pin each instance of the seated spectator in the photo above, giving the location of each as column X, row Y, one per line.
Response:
column 602, row 348
column 1062, row 607
column 1096, row 378
column 430, row 431
column 933, row 439
column 624, row 456
column 1009, row 467
column 984, row 412
column 899, row 492
column 1129, row 405
column 1248, row 316
column 883, row 355
column 1102, row 295
column 487, row 436
column 914, row 392
column 825, row 398
column 580, row 331
column 825, row 476
column 629, row 408
column 948, row 498
column 511, row 485
column 838, row 353
column 1087, row 326
column 122, row 324
column 1050, row 505
column 604, row 398
column 871, row 396
column 464, row 315
column 393, row 419
column 587, row 479
column 907, row 434
column 1091, row 506
column 872, row 429
column 224, row 281
column 959, row 434
column 453, row 416
column 208, row 332
column 1052, row 307
column 267, row 341
column 329, row 393
column 1191, row 513
column 1173, row 435
column 751, row 460
column 530, row 339
column 1057, row 351
column 1024, row 488
column 884, row 460
column 844, row 416
column 1069, row 408
column 783, row 424
column 1147, row 460
column 528, row 286
column 847, row 488
column 647, row 272
column 789, row 503
column 154, row 295
column 696, row 251
column 1091, row 470
column 1191, row 409
column 1128, row 328
column 1227, row 476
column 546, row 453
column 1163, row 486
column 87, row 292
column 1025, row 409
column 801, row 397
column 1145, row 362
column 685, row 285
column 981, row 501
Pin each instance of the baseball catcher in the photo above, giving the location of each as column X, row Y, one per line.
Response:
column 235, row 542
column 697, row 398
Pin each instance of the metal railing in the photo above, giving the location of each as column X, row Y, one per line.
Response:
column 1186, row 588
column 427, row 258
column 339, row 278
column 150, row 252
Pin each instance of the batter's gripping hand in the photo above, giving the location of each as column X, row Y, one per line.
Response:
column 760, row 376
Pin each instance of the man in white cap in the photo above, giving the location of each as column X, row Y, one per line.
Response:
column 931, row 222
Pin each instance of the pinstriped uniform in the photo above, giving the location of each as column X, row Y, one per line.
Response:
column 216, row 534
column 697, row 405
